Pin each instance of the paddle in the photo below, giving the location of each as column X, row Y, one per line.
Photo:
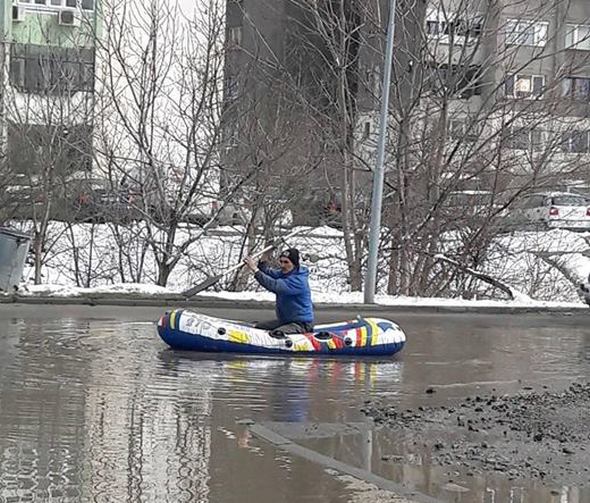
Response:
column 203, row 285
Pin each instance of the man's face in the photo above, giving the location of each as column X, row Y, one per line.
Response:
column 285, row 264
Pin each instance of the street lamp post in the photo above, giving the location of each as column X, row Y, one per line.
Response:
column 377, row 195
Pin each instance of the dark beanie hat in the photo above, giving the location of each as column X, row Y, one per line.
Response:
column 292, row 254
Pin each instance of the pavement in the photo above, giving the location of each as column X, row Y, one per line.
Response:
column 202, row 301
column 377, row 489
column 538, row 435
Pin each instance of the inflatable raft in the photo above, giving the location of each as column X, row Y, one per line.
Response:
column 183, row 329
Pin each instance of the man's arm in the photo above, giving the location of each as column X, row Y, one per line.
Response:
column 269, row 271
column 284, row 286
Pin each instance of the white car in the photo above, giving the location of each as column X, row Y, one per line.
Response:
column 552, row 210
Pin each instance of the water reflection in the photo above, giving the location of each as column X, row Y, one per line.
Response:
column 286, row 389
column 99, row 410
column 409, row 463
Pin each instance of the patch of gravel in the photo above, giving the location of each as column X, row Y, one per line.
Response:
column 364, row 492
column 539, row 435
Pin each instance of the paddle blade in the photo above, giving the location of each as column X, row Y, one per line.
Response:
column 201, row 286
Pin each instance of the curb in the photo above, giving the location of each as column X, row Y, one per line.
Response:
column 134, row 300
column 399, row 492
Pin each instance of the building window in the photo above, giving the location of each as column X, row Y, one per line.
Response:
column 464, row 130
column 449, row 28
column 575, row 142
column 55, row 71
column 578, row 37
column 18, row 13
column 456, row 81
column 577, row 88
column 69, row 4
column 235, row 35
column 523, row 32
column 525, row 86
column 524, row 138
column 231, row 88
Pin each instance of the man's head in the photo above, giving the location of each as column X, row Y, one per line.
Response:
column 289, row 260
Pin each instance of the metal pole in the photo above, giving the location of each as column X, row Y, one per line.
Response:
column 377, row 195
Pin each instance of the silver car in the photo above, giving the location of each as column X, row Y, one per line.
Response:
column 552, row 210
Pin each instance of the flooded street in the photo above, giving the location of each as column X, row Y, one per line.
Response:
column 95, row 407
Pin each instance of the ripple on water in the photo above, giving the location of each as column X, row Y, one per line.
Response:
column 95, row 410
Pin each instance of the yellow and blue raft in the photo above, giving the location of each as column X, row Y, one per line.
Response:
column 187, row 330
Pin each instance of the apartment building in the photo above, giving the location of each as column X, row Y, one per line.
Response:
column 46, row 104
column 257, row 85
column 279, row 67
column 522, row 72
column 513, row 75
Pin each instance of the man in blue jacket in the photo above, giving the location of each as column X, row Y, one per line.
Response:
column 290, row 283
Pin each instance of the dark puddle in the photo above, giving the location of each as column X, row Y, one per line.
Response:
column 94, row 407
column 531, row 447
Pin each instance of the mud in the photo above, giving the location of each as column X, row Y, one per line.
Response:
column 93, row 406
column 363, row 492
column 542, row 435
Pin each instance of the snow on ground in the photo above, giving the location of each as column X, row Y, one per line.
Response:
column 57, row 290
column 518, row 260
column 146, row 290
column 389, row 300
column 87, row 259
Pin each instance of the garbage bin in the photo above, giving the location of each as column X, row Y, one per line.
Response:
column 584, row 291
column 14, row 246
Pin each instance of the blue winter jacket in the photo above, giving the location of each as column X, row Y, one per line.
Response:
column 292, row 291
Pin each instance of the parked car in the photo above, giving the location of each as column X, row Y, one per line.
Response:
column 471, row 209
column 22, row 201
column 552, row 210
column 162, row 211
column 231, row 213
column 320, row 206
column 95, row 200
column 584, row 291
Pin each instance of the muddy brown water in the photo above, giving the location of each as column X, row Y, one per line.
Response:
column 94, row 407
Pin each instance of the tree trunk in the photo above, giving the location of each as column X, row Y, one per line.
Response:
column 38, row 251
column 164, row 271
column 40, row 237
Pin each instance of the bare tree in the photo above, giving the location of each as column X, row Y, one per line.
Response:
column 473, row 115
column 476, row 122
column 160, row 101
column 328, row 42
column 48, row 107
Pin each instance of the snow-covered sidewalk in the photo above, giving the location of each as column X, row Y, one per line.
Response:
column 542, row 270
column 147, row 294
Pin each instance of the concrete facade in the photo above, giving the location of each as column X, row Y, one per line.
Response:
column 48, row 50
column 502, row 62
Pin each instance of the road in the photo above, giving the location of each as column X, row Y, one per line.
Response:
column 94, row 407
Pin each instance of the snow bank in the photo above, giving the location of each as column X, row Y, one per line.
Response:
column 101, row 258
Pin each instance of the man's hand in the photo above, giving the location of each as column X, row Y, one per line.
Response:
column 250, row 264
